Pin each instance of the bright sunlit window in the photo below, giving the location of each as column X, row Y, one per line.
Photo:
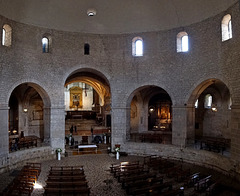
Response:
column 208, row 101
column 196, row 104
column 185, row 43
column 6, row 35
column 182, row 42
column 3, row 36
column 137, row 46
column 45, row 45
column 226, row 27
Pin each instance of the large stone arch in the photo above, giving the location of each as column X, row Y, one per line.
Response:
column 5, row 111
column 44, row 93
column 101, row 91
column 221, row 96
column 140, row 100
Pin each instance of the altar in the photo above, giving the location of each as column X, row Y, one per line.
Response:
column 94, row 146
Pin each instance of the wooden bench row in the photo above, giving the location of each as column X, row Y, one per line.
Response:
column 147, row 179
column 24, row 182
column 67, row 180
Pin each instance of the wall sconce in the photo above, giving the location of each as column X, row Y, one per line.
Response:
column 214, row 108
column 25, row 110
column 151, row 109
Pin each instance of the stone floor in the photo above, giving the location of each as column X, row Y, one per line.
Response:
column 96, row 167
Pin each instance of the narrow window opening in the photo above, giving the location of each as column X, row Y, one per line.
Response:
column 86, row 49
column 45, row 45
column 137, row 46
column 185, row 43
column 226, row 27
column 6, row 35
column 182, row 42
column 196, row 104
column 3, row 37
column 208, row 101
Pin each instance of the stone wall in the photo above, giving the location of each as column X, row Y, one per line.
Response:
column 19, row 158
column 179, row 74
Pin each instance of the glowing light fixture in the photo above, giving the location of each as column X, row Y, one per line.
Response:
column 214, row 108
column 151, row 109
column 91, row 12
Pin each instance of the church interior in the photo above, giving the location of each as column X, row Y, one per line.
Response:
column 143, row 92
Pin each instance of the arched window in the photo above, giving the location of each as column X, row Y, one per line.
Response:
column 226, row 27
column 230, row 103
column 182, row 42
column 208, row 101
column 45, row 45
column 6, row 35
column 196, row 104
column 137, row 46
column 86, row 49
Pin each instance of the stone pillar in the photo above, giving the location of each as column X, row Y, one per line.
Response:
column 119, row 115
column 190, row 124
column 143, row 119
column 179, row 125
column 46, row 120
column 128, row 123
column 4, row 139
column 235, row 132
column 57, row 127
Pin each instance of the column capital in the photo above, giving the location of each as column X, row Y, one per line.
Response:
column 4, row 107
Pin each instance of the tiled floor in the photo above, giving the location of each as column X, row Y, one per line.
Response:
column 96, row 167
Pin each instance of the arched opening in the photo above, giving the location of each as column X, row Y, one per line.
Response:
column 212, row 117
column 28, row 117
column 150, row 116
column 88, row 109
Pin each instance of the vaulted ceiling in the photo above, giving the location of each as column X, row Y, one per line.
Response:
column 113, row 16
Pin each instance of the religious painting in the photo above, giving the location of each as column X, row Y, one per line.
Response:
column 76, row 97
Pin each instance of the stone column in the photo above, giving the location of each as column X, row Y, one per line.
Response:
column 57, row 127
column 4, row 139
column 128, row 123
column 179, row 125
column 46, row 120
column 235, row 129
column 119, row 115
column 143, row 118
column 190, row 124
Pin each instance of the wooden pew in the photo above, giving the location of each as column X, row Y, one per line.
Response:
column 202, row 184
column 211, row 190
column 65, row 178
column 182, row 175
column 191, row 180
column 175, row 192
column 31, row 165
column 71, row 184
column 67, row 173
column 135, row 177
column 132, row 186
column 66, row 168
column 115, row 167
column 152, row 188
column 81, row 191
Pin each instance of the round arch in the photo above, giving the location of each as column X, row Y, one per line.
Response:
column 33, row 109
column 140, row 120
column 201, row 86
column 36, row 85
column 212, row 121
